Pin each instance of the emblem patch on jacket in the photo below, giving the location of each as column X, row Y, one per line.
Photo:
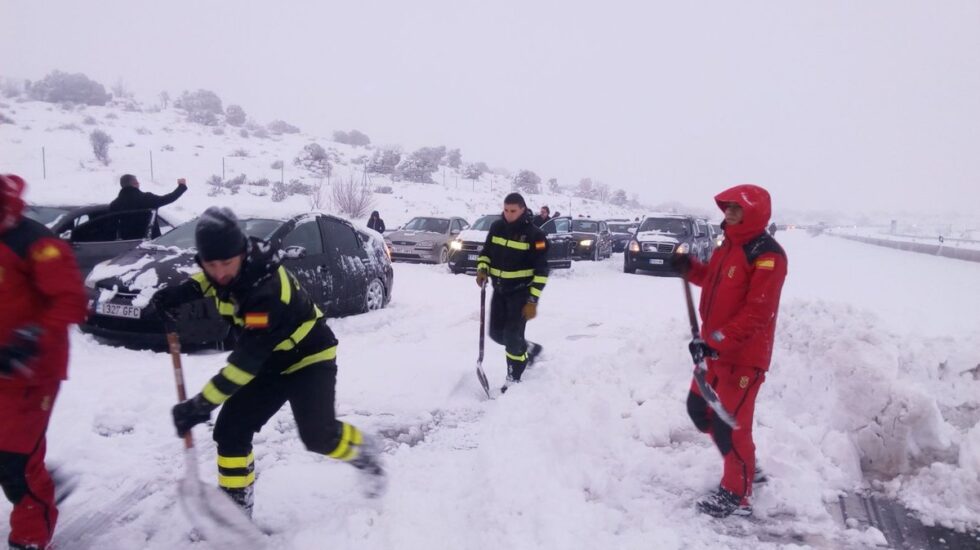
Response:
column 256, row 320
column 540, row 245
column 769, row 264
column 743, row 382
column 731, row 272
column 46, row 253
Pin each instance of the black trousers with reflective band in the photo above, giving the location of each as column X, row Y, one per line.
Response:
column 310, row 393
column 507, row 326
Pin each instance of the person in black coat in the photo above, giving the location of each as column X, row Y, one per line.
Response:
column 131, row 198
column 376, row 223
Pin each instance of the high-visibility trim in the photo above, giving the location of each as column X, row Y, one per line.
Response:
column 325, row 355
column 236, row 482
column 227, row 309
column 237, row 375
column 202, row 281
column 484, row 260
column 510, row 244
column 213, row 394
column 297, row 336
column 511, row 274
column 535, row 292
column 347, row 448
column 285, row 286
column 765, row 264
column 512, row 357
column 236, row 461
column 540, row 279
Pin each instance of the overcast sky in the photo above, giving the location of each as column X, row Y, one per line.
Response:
column 829, row 104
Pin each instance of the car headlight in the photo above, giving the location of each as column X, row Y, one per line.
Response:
column 634, row 246
column 94, row 276
column 585, row 242
column 683, row 248
column 456, row 245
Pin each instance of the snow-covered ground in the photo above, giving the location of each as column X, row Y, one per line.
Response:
column 595, row 449
column 883, row 234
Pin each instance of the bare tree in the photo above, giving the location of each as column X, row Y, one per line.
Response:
column 100, row 145
column 164, row 99
column 317, row 196
column 351, row 198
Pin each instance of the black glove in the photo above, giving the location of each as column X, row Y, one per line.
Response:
column 165, row 301
column 192, row 412
column 700, row 350
column 680, row 262
column 17, row 354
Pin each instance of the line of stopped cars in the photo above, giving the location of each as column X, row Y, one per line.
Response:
column 126, row 256
column 646, row 244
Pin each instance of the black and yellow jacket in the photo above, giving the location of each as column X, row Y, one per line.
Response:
column 516, row 257
column 281, row 329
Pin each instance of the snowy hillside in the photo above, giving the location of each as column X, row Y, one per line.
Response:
column 47, row 138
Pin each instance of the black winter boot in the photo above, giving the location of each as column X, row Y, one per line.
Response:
column 368, row 463
column 723, row 503
column 243, row 497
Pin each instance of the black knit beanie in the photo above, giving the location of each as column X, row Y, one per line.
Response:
column 515, row 198
column 218, row 236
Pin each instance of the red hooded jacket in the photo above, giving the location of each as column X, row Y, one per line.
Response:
column 742, row 282
column 39, row 284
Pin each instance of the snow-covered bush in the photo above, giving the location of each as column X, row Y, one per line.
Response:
column 354, row 137
column 384, row 161
column 351, row 198
column 278, row 191
column 60, row 87
column 314, row 158
column 100, row 145
column 235, row 115
column 89, row 121
column 202, row 107
column 282, row 127
column 527, row 181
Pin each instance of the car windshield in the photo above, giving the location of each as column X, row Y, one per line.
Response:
column 584, row 226
column 432, row 225
column 621, row 227
column 183, row 235
column 667, row 226
column 44, row 214
column 484, row 223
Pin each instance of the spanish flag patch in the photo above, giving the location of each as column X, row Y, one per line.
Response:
column 540, row 245
column 46, row 253
column 765, row 264
column 256, row 320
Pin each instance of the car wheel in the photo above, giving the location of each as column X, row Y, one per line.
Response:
column 627, row 268
column 374, row 298
column 444, row 255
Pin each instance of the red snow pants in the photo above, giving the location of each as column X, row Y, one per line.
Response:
column 737, row 388
column 24, row 415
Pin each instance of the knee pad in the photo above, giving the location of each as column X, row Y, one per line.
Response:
column 697, row 409
column 13, row 468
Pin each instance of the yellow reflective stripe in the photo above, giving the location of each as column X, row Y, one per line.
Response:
column 236, row 461
column 344, row 451
column 516, row 357
column 510, row 244
column 540, row 279
column 228, row 309
column 285, row 286
column 535, row 292
column 297, row 336
column 237, row 375
column 213, row 394
column 325, row 355
column 483, row 259
column 202, row 281
column 511, row 274
column 236, row 482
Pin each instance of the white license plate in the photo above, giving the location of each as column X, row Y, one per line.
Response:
column 473, row 256
column 403, row 249
column 656, row 261
column 118, row 310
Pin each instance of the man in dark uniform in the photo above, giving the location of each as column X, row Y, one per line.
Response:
column 131, row 198
column 543, row 216
column 42, row 294
column 286, row 352
column 515, row 258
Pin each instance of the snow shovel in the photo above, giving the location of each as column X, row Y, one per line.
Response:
column 709, row 394
column 479, row 362
column 215, row 516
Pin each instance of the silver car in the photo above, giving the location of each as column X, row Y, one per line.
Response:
column 424, row 239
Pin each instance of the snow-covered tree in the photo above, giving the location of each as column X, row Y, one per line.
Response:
column 454, row 158
column 235, row 115
column 100, row 145
column 384, row 161
column 60, row 87
column 314, row 158
column 527, row 181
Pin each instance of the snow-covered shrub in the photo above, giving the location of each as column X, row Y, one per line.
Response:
column 384, row 190
column 384, row 161
column 218, row 131
column 242, row 153
column 111, row 116
column 5, row 119
column 354, row 137
column 314, row 158
column 282, row 127
column 202, row 107
column 527, row 181
column 243, row 133
column 278, row 191
column 454, row 158
column 277, row 165
column 297, row 187
column 167, row 148
column 100, row 145
column 235, row 115
column 143, row 131
column 89, row 121
column 59, row 87
column 204, row 118
column 351, row 198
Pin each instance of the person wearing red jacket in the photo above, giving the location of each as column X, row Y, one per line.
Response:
column 42, row 294
column 740, row 288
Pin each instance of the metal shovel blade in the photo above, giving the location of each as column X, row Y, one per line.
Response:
column 215, row 516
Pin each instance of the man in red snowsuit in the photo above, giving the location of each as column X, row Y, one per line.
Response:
column 41, row 294
column 740, row 292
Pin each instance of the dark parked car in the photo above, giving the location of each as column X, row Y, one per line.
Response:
column 346, row 271
column 659, row 236
column 465, row 249
column 593, row 240
column 622, row 232
column 94, row 233
column 424, row 239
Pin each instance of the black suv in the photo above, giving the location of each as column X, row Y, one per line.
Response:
column 660, row 235
column 622, row 233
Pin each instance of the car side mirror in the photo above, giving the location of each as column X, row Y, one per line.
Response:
column 294, row 252
column 454, row 232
